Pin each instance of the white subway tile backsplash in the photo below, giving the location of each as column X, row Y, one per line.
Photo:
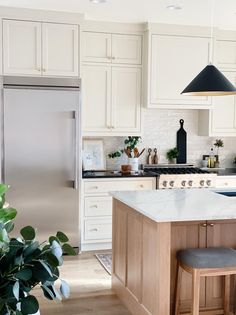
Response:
column 159, row 131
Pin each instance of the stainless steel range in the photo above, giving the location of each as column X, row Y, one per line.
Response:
column 181, row 176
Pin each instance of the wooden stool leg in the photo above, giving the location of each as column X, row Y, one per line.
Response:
column 195, row 291
column 178, row 288
column 226, row 294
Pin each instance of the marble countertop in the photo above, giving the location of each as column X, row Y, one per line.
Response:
column 176, row 205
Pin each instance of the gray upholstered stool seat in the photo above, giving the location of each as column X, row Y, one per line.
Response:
column 206, row 262
column 219, row 257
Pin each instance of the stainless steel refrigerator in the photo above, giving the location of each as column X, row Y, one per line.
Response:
column 40, row 135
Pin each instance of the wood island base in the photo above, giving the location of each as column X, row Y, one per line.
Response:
column 144, row 261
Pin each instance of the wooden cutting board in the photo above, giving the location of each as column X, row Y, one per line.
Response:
column 182, row 143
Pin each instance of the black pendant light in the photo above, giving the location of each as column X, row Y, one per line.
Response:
column 210, row 81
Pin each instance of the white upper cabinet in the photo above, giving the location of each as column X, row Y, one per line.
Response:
column 127, row 49
column 60, row 49
column 111, row 100
column 96, row 114
column 96, row 47
column 173, row 63
column 35, row 48
column 126, row 99
column 21, row 47
column 225, row 54
column 221, row 120
column 112, row 48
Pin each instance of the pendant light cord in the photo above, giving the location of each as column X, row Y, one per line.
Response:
column 212, row 31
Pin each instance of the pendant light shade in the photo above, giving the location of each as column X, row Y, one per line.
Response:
column 210, row 82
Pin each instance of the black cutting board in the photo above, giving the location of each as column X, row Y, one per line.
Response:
column 182, row 143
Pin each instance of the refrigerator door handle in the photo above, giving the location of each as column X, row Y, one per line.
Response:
column 75, row 116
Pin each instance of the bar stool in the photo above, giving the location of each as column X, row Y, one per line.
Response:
column 205, row 262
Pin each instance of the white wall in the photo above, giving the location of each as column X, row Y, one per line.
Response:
column 159, row 130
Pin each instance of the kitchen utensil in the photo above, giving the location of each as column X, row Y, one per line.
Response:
column 182, row 143
column 136, row 153
column 141, row 152
column 149, row 158
column 155, row 157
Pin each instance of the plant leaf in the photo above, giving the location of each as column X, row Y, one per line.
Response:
column 65, row 289
column 18, row 312
column 3, row 189
column 56, row 249
column 16, row 290
column 29, row 305
column 52, row 260
column 9, row 227
column 24, row 274
column 46, row 267
column 28, row 233
column 48, row 292
column 67, row 249
column 53, row 238
column 62, row 237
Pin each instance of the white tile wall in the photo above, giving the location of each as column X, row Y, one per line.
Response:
column 159, row 131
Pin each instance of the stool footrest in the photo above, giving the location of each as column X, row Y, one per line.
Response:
column 208, row 312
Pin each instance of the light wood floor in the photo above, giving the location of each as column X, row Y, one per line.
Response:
column 91, row 292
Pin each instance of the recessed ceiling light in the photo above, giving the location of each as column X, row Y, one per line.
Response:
column 98, row 1
column 173, row 7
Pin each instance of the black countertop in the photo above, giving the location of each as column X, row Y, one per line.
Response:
column 226, row 172
column 114, row 174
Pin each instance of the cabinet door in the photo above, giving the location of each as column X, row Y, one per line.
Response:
column 96, row 47
column 60, row 49
column 21, row 47
column 126, row 99
column 219, row 233
column 96, row 98
column 175, row 61
column 223, row 114
column 225, row 54
column 127, row 49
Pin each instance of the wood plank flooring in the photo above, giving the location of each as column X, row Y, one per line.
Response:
column 91, row 292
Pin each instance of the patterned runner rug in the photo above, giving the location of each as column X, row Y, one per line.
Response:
column 106, row 261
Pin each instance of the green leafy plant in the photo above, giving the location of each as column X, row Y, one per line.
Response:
column 25, row 264
column 172, row 154
column 130, row 144
column 218, row 144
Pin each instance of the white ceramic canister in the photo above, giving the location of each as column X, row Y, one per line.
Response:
column 134, row 164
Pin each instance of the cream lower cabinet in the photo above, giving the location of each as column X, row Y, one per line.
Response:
column 173, row 63
column 111, row 100
column 35, row 48
column 221, row 119
column 96, row 214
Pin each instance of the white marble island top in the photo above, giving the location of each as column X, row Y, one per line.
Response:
column 176, row 205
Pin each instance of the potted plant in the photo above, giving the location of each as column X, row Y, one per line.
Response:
column 218, row 144
column 131, row 150
column 172, row 155
column 25, row 264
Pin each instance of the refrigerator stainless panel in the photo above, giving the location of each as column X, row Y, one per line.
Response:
column 41, row 158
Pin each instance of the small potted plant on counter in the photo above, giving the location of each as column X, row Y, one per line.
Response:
column 172, row 155
column 218, row 144
column 25, row 264
column 131, row 151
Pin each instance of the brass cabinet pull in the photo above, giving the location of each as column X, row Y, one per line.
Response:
column 203, row 225
column 211, row 224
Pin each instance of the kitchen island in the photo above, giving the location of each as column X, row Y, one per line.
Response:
column 149, row 227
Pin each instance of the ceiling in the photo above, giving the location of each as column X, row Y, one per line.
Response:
column 193, row 12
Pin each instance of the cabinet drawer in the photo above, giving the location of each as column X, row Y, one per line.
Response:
column 97, row 206
column 226, row 182
column 98, row 229
column 105, row 187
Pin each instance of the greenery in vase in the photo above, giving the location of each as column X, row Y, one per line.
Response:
column 25, row 264
column 130, row 144
column 172, row 154
column 218, row 144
